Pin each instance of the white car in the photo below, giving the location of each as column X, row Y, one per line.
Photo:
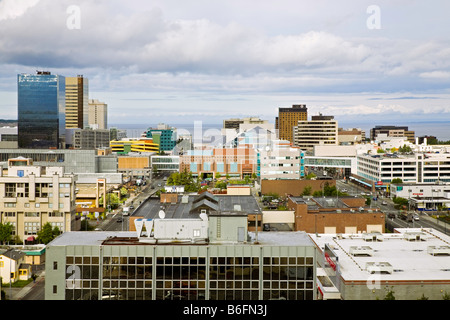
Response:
column 416, row 217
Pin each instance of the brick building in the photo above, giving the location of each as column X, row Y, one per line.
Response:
column 335, row 215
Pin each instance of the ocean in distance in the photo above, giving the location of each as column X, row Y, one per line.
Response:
column 437, row 128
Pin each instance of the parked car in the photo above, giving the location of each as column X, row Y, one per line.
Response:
column 384, row 203
column 391, row 215
column 416, row 217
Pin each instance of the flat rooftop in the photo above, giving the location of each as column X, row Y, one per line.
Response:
column 410, row 259
column 97, row 238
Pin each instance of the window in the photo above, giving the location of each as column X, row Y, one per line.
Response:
column 55, row 265
column 55, row 289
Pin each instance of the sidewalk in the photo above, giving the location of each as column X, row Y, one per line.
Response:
column 18, row 293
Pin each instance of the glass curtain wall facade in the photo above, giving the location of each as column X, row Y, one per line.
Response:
column 41, row 111
column 186, row 273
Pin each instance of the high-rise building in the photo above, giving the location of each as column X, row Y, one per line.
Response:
column 288, row 118
column 320, row 130
column 41, row 114
column 164, row 136
column 98, row 114
column 77, row 97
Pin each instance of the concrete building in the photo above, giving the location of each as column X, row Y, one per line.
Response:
column 392, row 131
column 8, row 137
column 241, row 124
column 350, row 136
column 97, row 114
column 335, row 215
column 410, row 263
column 31, row 196
column 204, row 257
column 165, row 163
column 77, row 101
column 423, row 196
column 91, row 139
column 287, row 119
column 416, row 168
column 320, row 130
column 76, row 161
column 281, row 162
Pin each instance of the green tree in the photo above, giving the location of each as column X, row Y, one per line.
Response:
column 6, row 230
column 307, row 191
column 390, row 295
column 123, row 192
column 47, row 233
column 111, row 200
column 396, row 181
column 218, row 175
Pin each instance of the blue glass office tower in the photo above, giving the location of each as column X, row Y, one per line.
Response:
column 41, row 110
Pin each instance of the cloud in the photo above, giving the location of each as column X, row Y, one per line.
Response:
column 12, row 9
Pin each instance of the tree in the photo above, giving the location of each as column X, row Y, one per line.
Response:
column 396, row 181
column 307, row 191
column 218, row 175
column 123, row 192
column 6, row 230
column 390, row 295
column 47, row 233
column 111, row 199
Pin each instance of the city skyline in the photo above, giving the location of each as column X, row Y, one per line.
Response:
column 165, row 61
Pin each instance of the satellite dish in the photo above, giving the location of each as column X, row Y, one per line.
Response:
column 162, row 214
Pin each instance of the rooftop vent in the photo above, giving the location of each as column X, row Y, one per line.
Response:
column 379, row 267
column 373, row 236
column 414, row 236
column 361, row 250
column 439, row 250
column 237, row 207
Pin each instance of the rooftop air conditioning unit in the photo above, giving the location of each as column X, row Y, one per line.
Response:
column 237, row 207
column 439, row 250
column 373, row 236
column 379, row 267
column 414, row 236
column 361, row 250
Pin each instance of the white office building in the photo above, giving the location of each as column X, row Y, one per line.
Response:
column 415, row 168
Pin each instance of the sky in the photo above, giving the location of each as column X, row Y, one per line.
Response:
column 205, row 60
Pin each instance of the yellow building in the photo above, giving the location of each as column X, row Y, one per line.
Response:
column 77, row 102
column 141, row 145
column 288, row 118
column 13, row 266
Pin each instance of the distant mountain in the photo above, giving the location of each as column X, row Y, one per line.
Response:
column 5, row 122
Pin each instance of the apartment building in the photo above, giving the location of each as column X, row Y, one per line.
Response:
column 31, row 196
column 416, row 168
column 320, row 130
column 288, row 118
